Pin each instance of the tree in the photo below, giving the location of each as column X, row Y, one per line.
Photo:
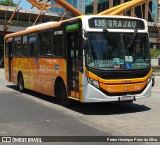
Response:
column 155, row 52
column 7, row 3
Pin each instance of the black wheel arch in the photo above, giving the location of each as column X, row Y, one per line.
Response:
column 56, row 84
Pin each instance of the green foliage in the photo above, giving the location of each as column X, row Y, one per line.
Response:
column 7, row 3
column 156, row 70
column 155, row 53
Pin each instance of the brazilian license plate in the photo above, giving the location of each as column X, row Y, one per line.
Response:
column 126, row 98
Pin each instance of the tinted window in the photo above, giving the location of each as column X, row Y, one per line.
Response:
column 45, row 44
column 25, row 50
column 33, row 45
column 6, row 48
column 58, row 43
column 17, row 46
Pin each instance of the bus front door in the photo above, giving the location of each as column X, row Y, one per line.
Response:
column 73, row 64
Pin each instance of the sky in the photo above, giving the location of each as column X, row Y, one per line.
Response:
column 23, row 4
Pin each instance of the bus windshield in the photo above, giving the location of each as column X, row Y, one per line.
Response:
column 109, row 51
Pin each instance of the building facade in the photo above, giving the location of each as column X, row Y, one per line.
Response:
column 106, row 4
column 155, row 10
column 159, row 11
column 78, row 4
column 88, row 2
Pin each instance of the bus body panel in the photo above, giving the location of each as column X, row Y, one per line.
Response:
column 39, row 74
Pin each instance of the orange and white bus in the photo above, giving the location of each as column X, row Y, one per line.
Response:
column 86, row 58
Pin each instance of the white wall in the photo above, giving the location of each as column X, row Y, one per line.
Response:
column 12, row 28
column 154, row 62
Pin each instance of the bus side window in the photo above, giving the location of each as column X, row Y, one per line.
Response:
column 33, row 45
column 25, row 46
column 45, row 43
column 58, row 43
column 17, row 46
column 6, row 48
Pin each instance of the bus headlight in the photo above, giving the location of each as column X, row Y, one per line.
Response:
column 93, row 82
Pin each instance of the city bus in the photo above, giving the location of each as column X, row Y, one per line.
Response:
column 85, row 58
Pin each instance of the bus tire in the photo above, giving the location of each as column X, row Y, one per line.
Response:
column 61, row 94
column 20, row 83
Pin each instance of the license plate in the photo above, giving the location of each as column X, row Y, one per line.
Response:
column 126, row 98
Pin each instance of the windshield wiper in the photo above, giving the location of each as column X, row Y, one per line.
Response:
column 132, row 39
column 107, row 32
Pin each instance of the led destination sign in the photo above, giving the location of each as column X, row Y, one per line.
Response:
column 115, row 23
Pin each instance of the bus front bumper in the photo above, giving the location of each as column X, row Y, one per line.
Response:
column 92, row 94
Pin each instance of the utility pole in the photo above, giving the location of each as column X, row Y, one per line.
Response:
column 44, row 6
column 95, row 7
column 6, row 26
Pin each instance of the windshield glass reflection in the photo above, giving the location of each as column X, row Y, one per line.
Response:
column 111, row 51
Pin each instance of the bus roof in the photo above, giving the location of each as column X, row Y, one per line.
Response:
column 39, row 25
column 36, row 28
column 52, row 24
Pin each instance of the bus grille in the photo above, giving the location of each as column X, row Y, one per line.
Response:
column 120, row 74
column 125, row 75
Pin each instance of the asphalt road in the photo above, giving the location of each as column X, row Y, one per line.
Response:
column 33, row 114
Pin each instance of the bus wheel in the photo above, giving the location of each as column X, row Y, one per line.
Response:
column 20, row 83
column 62, row 94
